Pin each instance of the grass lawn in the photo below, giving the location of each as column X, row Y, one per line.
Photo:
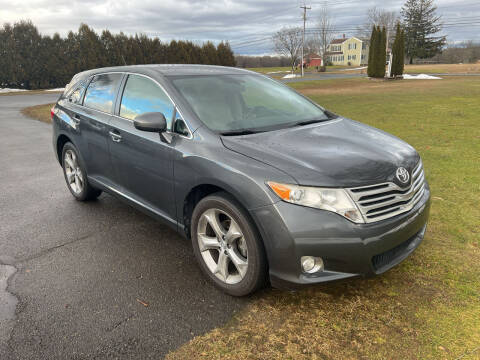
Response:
column 426, row 308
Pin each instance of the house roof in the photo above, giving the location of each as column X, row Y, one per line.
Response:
column 338, row 41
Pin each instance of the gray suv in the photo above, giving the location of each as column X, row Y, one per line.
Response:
column 268, row 185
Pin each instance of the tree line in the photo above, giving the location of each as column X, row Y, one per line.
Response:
column 31, row 60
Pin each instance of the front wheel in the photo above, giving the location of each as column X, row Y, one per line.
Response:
column 75, row 175
column 227, row 245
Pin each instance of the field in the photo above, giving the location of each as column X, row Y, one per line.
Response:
column 426, row 308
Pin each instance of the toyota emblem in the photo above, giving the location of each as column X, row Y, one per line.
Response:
column 402, row 175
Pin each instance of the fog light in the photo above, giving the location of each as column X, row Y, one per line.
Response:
column 311, row 264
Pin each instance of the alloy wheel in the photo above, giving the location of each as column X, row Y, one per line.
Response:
column 73, row 172
column 223, row 246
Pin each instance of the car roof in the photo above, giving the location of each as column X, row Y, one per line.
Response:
column 168, row 70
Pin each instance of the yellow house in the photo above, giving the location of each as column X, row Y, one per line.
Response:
column 348, row 52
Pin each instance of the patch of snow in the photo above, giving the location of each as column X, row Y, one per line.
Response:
column 358, row 68
column 8, row 90
column 57, row 89
column 420, row 77
column 290, row 76
column 278, row 72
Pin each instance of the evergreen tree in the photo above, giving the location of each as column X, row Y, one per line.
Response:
column 382, row 53
column 225, row 54
column 210, row 56
column 30, row 60
column 371, row 53
column 421, row 24
column 398, row 53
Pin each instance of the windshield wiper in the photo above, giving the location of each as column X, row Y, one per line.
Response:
column 240, row 132
column 308, row 122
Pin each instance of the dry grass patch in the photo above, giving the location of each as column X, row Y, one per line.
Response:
column 443, row 69
column 39, row 112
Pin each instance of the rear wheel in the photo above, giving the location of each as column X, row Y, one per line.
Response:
column 227, row 245
column 75, row 175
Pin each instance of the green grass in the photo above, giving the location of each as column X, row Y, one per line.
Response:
column 428, row 307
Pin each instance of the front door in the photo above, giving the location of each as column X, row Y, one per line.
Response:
column 142, row 162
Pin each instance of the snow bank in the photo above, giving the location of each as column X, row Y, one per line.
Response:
column 420, row 77
column 290, row 76
column 7, row 90
column 57, row 89
column 277, row 72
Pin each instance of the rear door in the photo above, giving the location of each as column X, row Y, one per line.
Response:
column 142, row 162
column 94, row 118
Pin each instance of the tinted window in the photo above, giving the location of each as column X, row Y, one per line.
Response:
column 101, row 92
column 142, row 95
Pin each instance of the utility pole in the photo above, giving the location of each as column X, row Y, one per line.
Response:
column 305, row 8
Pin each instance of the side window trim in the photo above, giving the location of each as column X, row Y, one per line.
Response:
column 87, row 84
column 120, row 91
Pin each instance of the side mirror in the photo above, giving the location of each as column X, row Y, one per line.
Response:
column 152, row 121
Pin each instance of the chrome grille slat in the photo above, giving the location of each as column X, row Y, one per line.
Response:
column 385, row 200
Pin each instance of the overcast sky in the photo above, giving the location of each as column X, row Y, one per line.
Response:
column 247, row 24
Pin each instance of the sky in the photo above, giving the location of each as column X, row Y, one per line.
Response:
column 247, row 24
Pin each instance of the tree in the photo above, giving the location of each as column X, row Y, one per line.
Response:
column 325, row 34
column 288, row 42
column 382, row 53
column 225, row 54
column 421, row 24
column 379, row 17
column 371, row 53
column 398, row 51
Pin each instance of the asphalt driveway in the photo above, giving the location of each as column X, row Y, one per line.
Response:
column 87, row 280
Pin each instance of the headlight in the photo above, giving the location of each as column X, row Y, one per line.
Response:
column 335, row 200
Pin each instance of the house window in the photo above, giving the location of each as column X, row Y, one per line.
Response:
column 364, row 46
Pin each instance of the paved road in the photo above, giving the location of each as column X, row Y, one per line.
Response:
column 77, row 271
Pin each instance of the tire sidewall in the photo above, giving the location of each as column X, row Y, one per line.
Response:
column 256, row 272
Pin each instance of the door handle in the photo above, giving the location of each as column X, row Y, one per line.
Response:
column 115, row 136
column 76, row 119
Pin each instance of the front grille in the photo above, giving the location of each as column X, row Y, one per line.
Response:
column 386, row 258
column 383, row 201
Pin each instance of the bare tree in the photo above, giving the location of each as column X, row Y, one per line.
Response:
column 325, row 32
column 379, row 17
column 288, row 42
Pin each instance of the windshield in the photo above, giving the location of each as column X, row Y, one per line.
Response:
column 231, row 103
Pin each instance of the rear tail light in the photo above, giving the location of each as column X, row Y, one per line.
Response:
column 52, row 112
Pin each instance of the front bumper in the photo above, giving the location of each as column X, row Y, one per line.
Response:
column 291, row 231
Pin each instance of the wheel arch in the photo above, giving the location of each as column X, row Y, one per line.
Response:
column 62, row 139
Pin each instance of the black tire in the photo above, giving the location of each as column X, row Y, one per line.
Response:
column 255, row 277
column 87, row 192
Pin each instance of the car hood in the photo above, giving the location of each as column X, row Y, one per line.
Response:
column 336, row 153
